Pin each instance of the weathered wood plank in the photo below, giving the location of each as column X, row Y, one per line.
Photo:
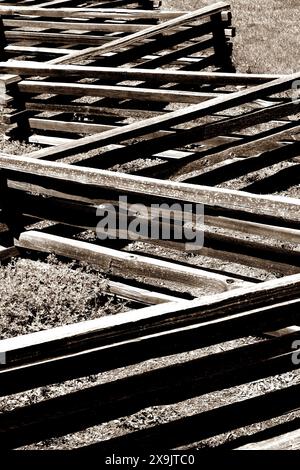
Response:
column 265, row 230
column 8, row 253
column 228, row 305
column 65, row 25
column 36, row 50
column 120, row 263
column 90, row 12
column 66, row 126
column 58, row 208
column 47, row 140
column 276, row 206
column 120, row 74
column 138, row 294
column 113, row 91
column 287, row 441
column 63, row 38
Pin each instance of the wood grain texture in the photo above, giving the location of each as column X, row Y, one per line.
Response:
column 231, row 306
column 285, row 207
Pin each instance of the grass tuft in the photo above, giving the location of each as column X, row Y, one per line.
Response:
column 35, row 296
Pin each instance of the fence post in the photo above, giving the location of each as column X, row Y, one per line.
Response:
column 13, row 116
column 10, row 212
column 222, row 34
column 151, row 4
column 3, row 42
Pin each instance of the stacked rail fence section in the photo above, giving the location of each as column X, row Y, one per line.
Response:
column 128, row 101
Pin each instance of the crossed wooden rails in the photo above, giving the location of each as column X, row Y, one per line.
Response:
column 192, row 151
column 67, row 194
column 125, row 339
column 28, row 31
column 192, row 41
column 98, row 26
column 81, row 4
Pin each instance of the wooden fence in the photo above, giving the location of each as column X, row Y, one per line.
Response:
column 97, row 346
column 68, row 195
column 143, row 118
column 185, row 42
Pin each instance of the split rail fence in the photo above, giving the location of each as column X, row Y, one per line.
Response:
column 157, row 116
column 117, row 42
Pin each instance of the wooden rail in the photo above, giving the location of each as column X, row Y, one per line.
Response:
column 11, row 5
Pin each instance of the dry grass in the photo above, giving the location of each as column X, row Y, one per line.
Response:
column 267, row 33
column 14, row 147
column 35, row 296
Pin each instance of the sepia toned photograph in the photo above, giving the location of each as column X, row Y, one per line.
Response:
column 149, row 229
